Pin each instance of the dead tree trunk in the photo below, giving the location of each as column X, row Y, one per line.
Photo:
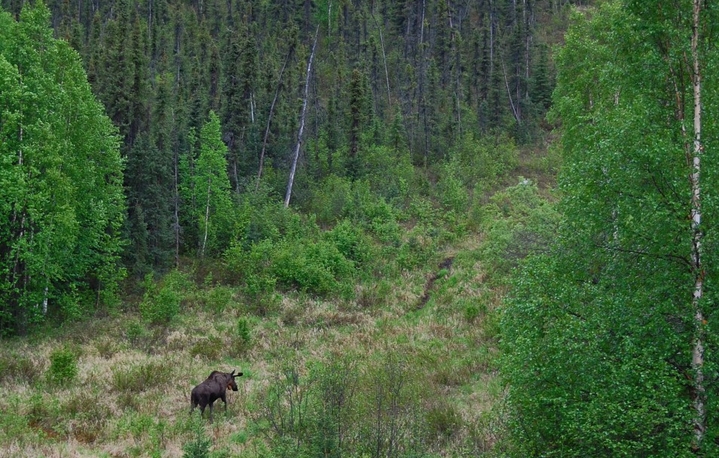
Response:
column 302, row 122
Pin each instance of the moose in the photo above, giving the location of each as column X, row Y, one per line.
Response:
column 213, row 388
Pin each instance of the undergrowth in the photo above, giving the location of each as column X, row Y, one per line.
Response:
column 375, row 336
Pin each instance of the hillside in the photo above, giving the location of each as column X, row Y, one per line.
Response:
column 150, row 236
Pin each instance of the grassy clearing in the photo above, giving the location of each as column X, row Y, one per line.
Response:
column 399, row 360
column 382, row 374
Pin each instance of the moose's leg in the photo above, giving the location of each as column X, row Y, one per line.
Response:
column 210, row 412
column 193, row 403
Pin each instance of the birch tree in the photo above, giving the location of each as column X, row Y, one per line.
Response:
column 61, row 201
column 212, row 191
column 611, row 339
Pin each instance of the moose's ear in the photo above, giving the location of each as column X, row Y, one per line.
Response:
column 232, row 374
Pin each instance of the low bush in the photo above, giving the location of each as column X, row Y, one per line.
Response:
column 161, row 302
column 210, row 348
column 244, row 331
column 199, row 445
column 63, row 366
column 141, row 377
column 351, row 241
column 218, row 299
column 518, row 222
column 443, row 421
column 17, row 367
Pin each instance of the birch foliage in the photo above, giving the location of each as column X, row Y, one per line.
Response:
column 600, row 335
column 61, row 203
column 211, row 188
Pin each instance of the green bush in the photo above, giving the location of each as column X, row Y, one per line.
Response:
column 252, row 265
column 443, row 421
column 210, row 348
column 45, row 412
column 452, row 192
column 418, row 249
column 14, row 366
column 63, row 366
column 518, row 222
column 161, row 304
column 351, row 241
column 331, row 199
column 471, row 312
column 389, row 171
column 199, row 445
column 140, row 377
column 244, row 330
column 136, row 332
column 484, row 160
column 294, row 269
column 218, row 298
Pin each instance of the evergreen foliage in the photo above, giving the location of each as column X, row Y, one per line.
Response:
column 394, row 81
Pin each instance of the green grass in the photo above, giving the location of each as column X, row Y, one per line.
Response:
column 130, row 393
column 322, row 373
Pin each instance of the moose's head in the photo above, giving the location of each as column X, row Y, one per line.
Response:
column 231, row 384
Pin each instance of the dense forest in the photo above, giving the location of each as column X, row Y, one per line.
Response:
column 423, row 228
column 399, row 96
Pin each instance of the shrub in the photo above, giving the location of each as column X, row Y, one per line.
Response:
column 160, row 305
column 484, row 160
column 244, row 330
column 389, row 171
column 443, row 421
column 141, row 377
column 45, row 413
column 209, row 348
column 294, row 269
column 314, row 267
column 136, row 332
column 63, row 366
column 218, row 298
column 331, row 199
column 18, row 367
column 518, row 222
column 198, row 446
column 452, row 192
column 471, row 312
column 351, row 242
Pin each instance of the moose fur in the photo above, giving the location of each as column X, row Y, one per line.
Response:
column 213, row 388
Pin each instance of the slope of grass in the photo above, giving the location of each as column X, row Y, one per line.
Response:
column 130, row 395
column 400, row 361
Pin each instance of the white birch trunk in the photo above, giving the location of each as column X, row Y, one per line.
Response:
column 698, row 351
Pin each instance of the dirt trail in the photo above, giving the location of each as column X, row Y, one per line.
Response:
column 444, row 265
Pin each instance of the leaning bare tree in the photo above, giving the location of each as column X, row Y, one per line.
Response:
column 302, row 122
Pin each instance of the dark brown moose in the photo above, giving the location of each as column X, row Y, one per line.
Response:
column 213, row 388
